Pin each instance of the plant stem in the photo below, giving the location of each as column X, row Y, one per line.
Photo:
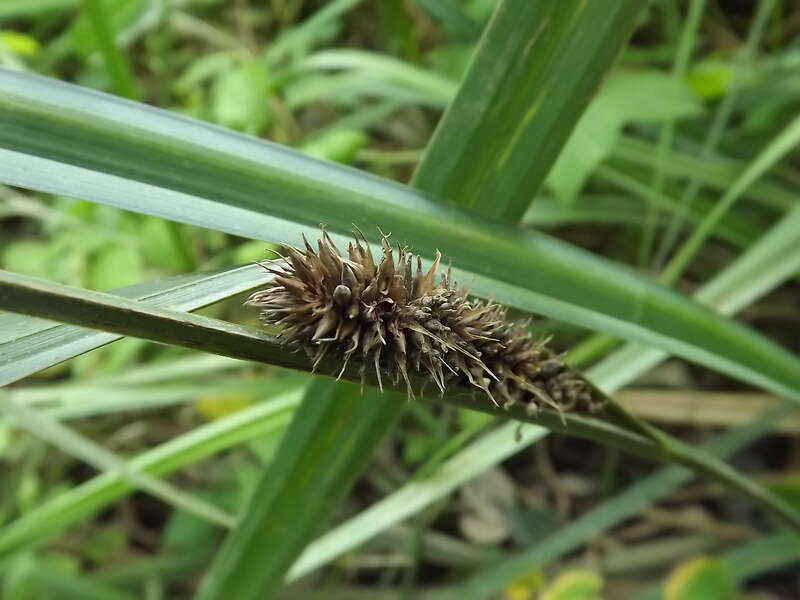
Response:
column 119, row 72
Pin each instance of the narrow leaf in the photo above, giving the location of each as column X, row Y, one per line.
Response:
column 29, row 345
column 62, row 139
column 306, row 480
column 81, row 447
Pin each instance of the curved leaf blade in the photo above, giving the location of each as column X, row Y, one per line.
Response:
column 63, row 139
column 29, row 345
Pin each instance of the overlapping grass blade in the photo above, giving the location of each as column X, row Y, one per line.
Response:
column 536, row 67
column 116, row 66
column 91, row 399
column 713, row 172
column 720, row 121
column 732, row 230
column 763, row 554
column 609, row 513
column 81, row 447
column 298, row 39
column 325, row 450
column 67, row 140
column 84, row 500
column 430, row 87
column 777, row 149
column 683, row 54
column 57, row 583
column 29, row 345
column 765, row 160
column 750, row 559
column 765, row 266
column 771, row 261
column 775, row 258
column 417, row 494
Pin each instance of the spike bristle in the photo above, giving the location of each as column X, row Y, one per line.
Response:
column 385, row 317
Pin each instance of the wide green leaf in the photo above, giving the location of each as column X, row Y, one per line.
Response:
column 59, row 138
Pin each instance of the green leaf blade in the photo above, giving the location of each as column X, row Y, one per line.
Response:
column 29, row 345
column 326, row 448
column 536, row 68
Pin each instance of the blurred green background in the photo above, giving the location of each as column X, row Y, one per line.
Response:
column 364, row 83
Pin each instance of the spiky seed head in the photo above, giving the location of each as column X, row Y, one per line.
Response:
column 392, row 316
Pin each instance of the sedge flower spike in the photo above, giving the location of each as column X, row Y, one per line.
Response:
column 392, row 316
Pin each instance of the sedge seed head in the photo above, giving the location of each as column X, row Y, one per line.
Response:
column 394, row 317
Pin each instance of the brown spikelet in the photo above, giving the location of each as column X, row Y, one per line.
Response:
column 394, row 318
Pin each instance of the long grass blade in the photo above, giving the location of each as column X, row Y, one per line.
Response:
column 778, row 148
column 206, row 176
column 718, row 124
column 536, row 67
column 317, row 462
column 31, row 345
column 611, row 512
column 683, row 54
column 32, row 296
column 117, row 67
